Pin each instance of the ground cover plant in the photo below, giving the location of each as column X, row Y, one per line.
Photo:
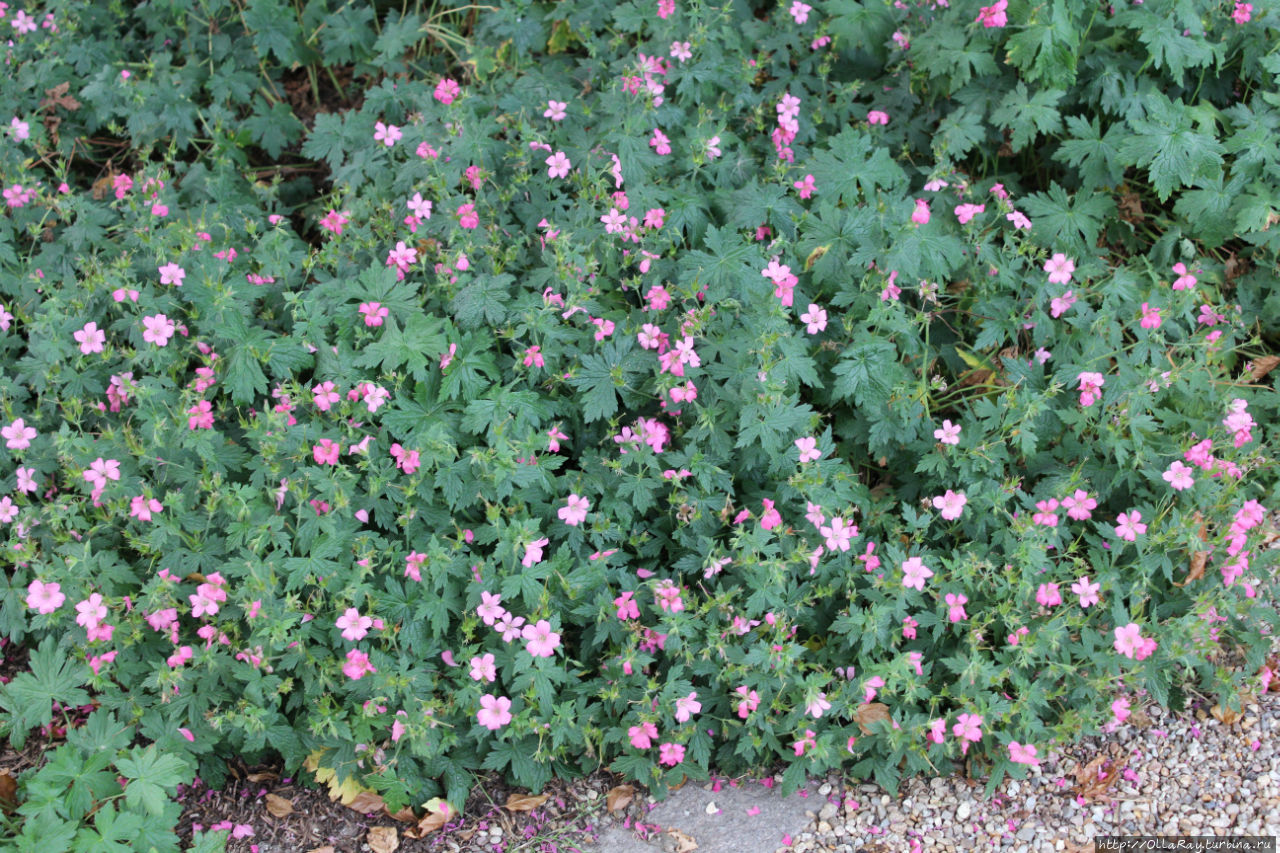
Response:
column 413, row 392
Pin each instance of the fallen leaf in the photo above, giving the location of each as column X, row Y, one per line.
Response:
column 1095, row 778
column 619, row 798
column 525, row 802
column 366, row 802
column 265, row 776
column 684, row 844
column 342, row 792
column 279, row 806
column 1225, row 715
column 405, row 815
column 328, row 848
column 1263, row 366
column 383, row 839
column 8, row 790
column 438, row 814
column 872, row 712
column 1196, row 572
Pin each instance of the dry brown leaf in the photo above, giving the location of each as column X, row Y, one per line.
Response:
column 438, row 814
column 279, row 806
column 684, row 844
column 1263, row 366
column 1224, row 715
column 265, row 776
column 872, row 712
column 1095, row 778
column 619, row 798
column 328, row 848
column 8, row 790
column 58, row 97
column 405, row 815
column 366, row 802
column 1196, row 572
column 383, row 839
column 525, row 802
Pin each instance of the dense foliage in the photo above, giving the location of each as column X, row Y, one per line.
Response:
column 660, row 386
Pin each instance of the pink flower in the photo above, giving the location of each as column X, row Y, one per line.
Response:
column 142, row 507
column 909, row 626
column 1242, row 13
column 1130, row 526
column 90, row 338
column 1120, row 710
column 447, row 90
column 1079, row 506
column 326, row 452
column 533, row 552
column 808, row 447
column 1088, row 592
column 804, row 743
column 1059, row 268
column 948, row 433
column 955, row 605
column 1023, row 754
column 1090, row 387
column 556, row 110
column 490, row 608
column 627, row 608
column 937, row 731
column 877, row 117
column 968, row 729
column 540, row 640
column 920, row 216
column 915, row 573
column 659, row 143
column 670, row 754
column 45, row 597
column 558, row 165
column 354, row 626
column 686, row 707
column 642, row 735
column 1047, row 595
column 1150, row 317
column 374, row 313
column 770, row 518
column 484, row 668
column 951, row 504
column 467, row 216
column 1019, row 220
column 1060, row 304
column 817, row 705
column 91, row 612
column 335, row 221
column 158, row 329
column 1129, row 640
column 575, row 511
column 419, row 206
column 387, row 134
column 993, row 15
column 806, row 187
column 800, row 11
column 666, row 8
column 681, row 51
column 1046, row 513
column 815, row 319
column 173, row 274
column 1179, row 477
column 1185, row 280
column 495, row 711
column 966, row 212
column 838, row 534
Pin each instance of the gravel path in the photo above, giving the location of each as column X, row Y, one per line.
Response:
column 1161, row 774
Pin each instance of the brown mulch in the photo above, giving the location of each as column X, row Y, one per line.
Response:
column 311, row 821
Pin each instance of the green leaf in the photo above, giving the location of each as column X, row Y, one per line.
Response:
column 151, row 777
column 1046, row 51
column 29, row 697
column 1094, row 155
column 273, row 127
column 865, row 370
column 1028, row 116
column 1176, row 143
column 1058, row 218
